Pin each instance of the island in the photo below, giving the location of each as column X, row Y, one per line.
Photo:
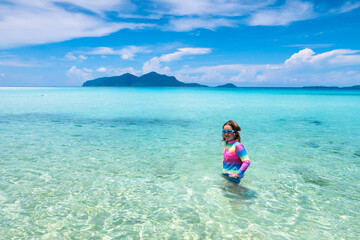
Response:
column 228, row 85
column 152, row 79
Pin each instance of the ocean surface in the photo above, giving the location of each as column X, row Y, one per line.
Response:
column 145, row 163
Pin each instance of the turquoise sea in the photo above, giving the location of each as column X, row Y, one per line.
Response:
column 145, row 163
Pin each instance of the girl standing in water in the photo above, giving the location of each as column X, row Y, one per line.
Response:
column 236, row 160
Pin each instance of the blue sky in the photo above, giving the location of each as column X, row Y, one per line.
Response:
column 256, row 43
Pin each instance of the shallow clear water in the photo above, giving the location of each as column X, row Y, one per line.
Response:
column 145, row 163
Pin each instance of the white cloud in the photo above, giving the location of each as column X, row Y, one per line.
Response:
column 290, row 12
column 111, row 71
column 229, row 68
column 127, row 53
column 37, row 22
column 304, row 55
column 71, row 57
column 82, row 57
column 310, row 77
column 220, row 74
column 99, row 6
column 332, row 58
column 2, row 75
column 337, row 67
column 187, row 15
column 101, row 69
column 154, row 63
column 188, row 24
column 77, row 74
column 329, row 56
column 347, row 7
column 183, row 52
column 102, row 51
column 209, row 7
column 250, row 72
column 345, row 60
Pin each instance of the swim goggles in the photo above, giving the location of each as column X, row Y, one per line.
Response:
column 228, row 131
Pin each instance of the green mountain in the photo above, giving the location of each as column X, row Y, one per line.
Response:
column 151, row 79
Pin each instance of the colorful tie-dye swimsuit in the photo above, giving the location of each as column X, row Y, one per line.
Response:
column 236, row 160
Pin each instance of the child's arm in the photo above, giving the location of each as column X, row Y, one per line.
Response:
column 241, row 152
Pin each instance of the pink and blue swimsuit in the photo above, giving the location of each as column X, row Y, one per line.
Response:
column 236, row 160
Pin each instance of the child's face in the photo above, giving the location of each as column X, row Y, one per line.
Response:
column 228, row 136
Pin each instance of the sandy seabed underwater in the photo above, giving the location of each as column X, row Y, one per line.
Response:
column 145, row 163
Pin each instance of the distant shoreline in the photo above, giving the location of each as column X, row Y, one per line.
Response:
column 154, row 79
column 356, row 87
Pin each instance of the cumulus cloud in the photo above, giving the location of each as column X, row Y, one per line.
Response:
column 235, row 73
column 71, row 57
column 154, row 63
column 101, row 69
column 77, row 74
column 129, row 52
column 304, row 55
column 332, row 58
column 82, row 57
column 337, row 67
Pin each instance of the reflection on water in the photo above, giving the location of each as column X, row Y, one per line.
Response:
column 234, row 191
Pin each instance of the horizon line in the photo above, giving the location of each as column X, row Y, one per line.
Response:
column 303, row 87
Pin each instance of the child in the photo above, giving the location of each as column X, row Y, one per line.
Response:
column 236, row 160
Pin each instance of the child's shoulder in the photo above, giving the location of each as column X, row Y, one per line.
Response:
column 239, row 145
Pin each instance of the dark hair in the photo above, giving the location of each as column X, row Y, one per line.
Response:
column 235, row 127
